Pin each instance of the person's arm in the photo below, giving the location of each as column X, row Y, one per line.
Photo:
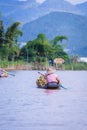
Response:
column 58, row 81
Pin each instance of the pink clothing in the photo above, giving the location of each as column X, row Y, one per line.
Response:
column 51, row 78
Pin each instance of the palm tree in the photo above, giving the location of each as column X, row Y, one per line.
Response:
column 58, row 49
column 58, row 39
column 11, row 37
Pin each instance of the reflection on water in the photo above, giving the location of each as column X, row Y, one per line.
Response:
column 23, row 106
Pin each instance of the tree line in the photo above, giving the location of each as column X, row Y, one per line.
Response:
column 37, row 50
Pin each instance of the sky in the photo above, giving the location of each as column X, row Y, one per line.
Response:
column 71, row 1
column 76, row 1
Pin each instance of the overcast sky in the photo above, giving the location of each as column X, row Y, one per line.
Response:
column 72, row 1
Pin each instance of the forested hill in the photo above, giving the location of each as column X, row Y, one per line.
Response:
column 52, row 17
column 60, row 23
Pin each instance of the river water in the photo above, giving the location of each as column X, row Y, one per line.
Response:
column 23, row 106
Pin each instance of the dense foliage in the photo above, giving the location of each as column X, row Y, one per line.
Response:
column 9, row 48
column 41, row 49
column 38, row 50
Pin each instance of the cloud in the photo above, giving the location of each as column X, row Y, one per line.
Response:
column 40, row 1
column 71, row 1
column 76, row 1
column 22, row 0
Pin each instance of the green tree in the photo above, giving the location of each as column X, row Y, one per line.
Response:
column 58, row 39
column 11, row 36
column 2, row 35
column 41, row 49
column 58, row 49
column 43, row 46
column 28, row 52
column 2, row 41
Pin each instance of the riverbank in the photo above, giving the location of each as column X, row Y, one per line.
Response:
column 21, row 65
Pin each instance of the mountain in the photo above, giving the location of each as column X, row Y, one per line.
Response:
column 83, row 8
column 60, row 23
column 59, row 5
column 52, row 17
column 18, row 10
column 26, row 11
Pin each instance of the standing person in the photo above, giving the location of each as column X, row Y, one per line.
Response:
column 52, row 78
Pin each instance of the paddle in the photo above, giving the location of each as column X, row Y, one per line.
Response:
column 61, row 86
column 58, row 84
column 8, row 73
column 41, row 73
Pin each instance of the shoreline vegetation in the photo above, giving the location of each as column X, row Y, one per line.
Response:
column 36, row 54
column 21, row 65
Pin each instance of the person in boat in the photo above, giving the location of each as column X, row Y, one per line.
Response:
column 1, row 72
column 51, row 77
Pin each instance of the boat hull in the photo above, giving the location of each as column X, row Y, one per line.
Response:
column 50, row 86
column 4, row 75
column 45, row 87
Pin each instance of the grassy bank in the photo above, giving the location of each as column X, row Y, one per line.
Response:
column 76, row 66
column 21, row 65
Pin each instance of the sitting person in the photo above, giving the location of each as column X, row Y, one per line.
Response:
column 1, row 72
column 52, row 78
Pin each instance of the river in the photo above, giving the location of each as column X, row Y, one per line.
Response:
column 23, row 106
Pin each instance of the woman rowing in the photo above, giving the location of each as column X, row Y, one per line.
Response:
column 52, row 78
column 3, row 73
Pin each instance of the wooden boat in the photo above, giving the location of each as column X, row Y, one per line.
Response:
column 4, row 75
column 42, row 83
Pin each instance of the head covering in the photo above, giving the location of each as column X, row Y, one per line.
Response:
column 50, row 70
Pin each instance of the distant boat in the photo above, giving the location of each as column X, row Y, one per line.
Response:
column 4, row 75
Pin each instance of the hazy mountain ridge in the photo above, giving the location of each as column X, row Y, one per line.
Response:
column 83, row 8
column 20, row 10
column 59, row 23
column 58, row 5
column 52, row 17
column 17, row 10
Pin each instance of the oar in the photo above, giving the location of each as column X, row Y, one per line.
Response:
column 41, row 73
column 8, row 73
column 61, row 86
